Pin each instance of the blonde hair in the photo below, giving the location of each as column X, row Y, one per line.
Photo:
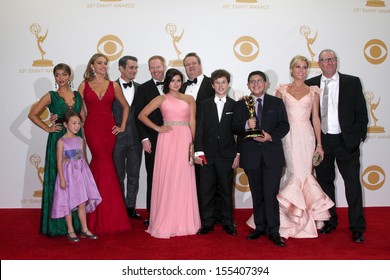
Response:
column 159, row 57
column 89, row 74
column 297, row 59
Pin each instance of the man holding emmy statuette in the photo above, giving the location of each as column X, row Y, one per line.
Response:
column 261, row 155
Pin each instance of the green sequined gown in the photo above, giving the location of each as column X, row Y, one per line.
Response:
column 49, row 226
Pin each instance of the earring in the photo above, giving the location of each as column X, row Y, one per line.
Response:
column 55, row 85
column 93, row 71
column 70, row 84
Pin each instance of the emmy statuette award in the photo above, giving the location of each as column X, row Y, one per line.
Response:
column 305, row 31
column 369, row 96
column 36, row 160
column 35, row 28
column 171, row 29
column 375, row 3
column 252, row 132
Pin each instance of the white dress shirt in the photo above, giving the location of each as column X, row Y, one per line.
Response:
column 128, row 92
column 194, row 88
column 333, row 103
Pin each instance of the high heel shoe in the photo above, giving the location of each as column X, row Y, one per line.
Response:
column 72, row 239
column 88, row 234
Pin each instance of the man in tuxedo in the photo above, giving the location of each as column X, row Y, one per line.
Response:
column 262, row 158
column 199, row 86
column 128, row 150
column 144, row 94
column 215, row 151
column 344, row 122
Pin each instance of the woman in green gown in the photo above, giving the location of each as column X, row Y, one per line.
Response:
column 58, row 102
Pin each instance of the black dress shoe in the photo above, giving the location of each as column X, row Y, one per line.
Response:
column 327, row 228
column 230, row 230
column 205, row 230
column 357, row 236
column 277, row 240
column 255, row 234
column 146, row 222
column 133, row 214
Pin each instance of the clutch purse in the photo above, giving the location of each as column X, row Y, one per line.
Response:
column 317, row 158
column 191, row 154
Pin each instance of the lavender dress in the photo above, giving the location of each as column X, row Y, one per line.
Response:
column 80, row 184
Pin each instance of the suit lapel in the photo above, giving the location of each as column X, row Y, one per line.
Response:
column 202, row 89
column 214, row 110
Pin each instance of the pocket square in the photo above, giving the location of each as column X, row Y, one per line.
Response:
column 229, row 113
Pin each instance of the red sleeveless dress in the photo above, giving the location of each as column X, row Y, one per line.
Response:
column 111, row 215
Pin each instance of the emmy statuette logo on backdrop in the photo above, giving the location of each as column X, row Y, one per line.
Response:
column 375, row 51
column 35, row 29
column 375, row 3
column 373, row 177
column 305, row 32
column 111, row 46
column 373, row 105
column 36, row 160
column 171, row 29
column 246, row 48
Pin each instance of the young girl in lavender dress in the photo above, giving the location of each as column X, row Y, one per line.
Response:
column 75, row 188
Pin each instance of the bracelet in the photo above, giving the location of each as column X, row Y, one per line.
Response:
column 319, row 145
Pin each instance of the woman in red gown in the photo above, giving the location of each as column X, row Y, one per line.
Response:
column 100, row 132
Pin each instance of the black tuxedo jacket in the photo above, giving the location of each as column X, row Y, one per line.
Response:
column 205, row 90
column 352, row 109
column 128, row 136
column 144, row 94
column 215, row 138
column 273, row 121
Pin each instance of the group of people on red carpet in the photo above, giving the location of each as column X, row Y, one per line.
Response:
column 194, row 135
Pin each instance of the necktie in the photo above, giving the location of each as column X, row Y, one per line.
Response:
column 189, row 82
column 220, row 108
column 129, row 84
column 159, row 83
column 324, row 108
column 259, row 112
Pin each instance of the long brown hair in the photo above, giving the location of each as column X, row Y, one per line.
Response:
column 89, row 74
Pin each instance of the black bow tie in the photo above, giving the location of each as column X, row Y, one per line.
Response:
column 129, row 84
column 189, row 82
column 159, row 83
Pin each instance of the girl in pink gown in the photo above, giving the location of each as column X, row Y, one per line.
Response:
column 303, row 204
column 75, row 188
column 174, row 204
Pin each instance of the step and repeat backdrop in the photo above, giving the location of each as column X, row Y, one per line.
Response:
column 237, row 35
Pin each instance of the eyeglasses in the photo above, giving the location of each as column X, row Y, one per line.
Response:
column 329, row 59
column 252, row 82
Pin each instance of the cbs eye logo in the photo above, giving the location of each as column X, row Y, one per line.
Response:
column 375, row 51
column 373, row 177
column 111, row 46
column 246, row 48
column 241, row 181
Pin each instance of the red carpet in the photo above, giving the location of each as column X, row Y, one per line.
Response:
column 19, row 240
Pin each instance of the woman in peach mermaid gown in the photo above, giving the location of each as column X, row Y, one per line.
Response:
column 302, row 203
column 174, row 204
